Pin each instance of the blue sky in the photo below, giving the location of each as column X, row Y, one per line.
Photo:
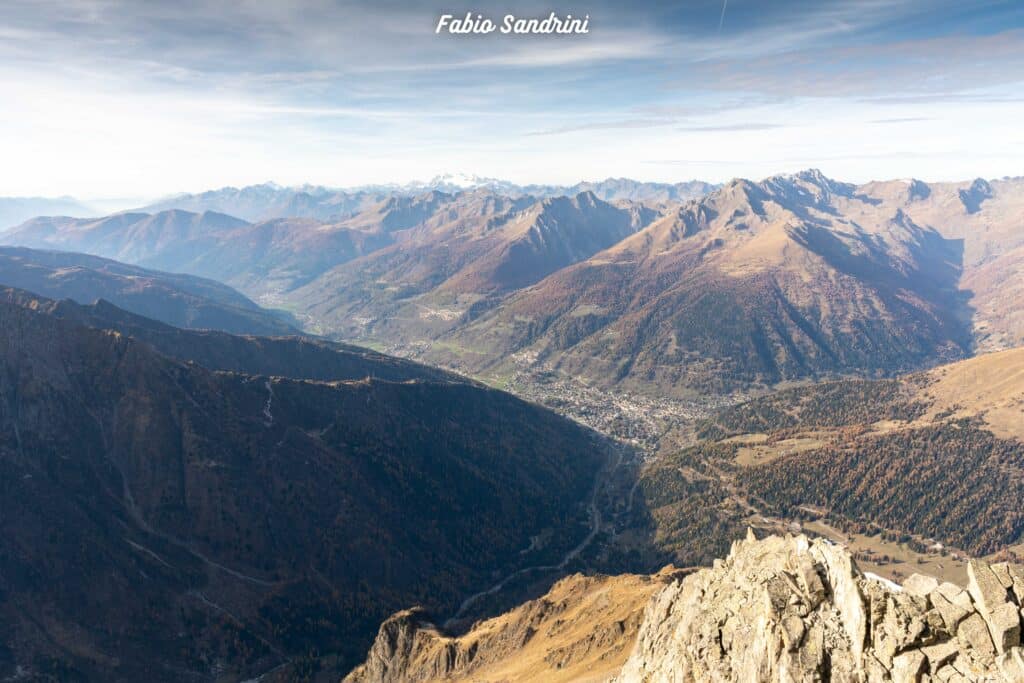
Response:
column 106, row 98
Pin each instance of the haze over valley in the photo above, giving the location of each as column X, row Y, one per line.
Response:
column 335, row 348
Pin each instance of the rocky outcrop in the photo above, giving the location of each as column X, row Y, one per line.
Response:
column 782, row 609
column 973, row 196
column 583, row 628
column 795, row 609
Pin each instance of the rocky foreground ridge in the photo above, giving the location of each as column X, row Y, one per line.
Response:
column 777, row 609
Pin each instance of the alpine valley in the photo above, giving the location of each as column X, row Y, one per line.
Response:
column 467, row 430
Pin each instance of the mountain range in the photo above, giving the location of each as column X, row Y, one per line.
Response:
column 197, row 488
column 267, row 201
column 751, row 284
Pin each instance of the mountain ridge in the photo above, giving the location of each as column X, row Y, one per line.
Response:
column 820, row 277
column 181, row 300
column 268, row 200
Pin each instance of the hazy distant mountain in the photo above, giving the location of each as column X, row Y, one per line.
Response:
column 263, row 202
column 610, row 189
column 266, row 201
column 15, row 210
column 164, row 520
column 475, row 241
column 132, row 237
column 179, row 300
column 623, row 188
column 987, row 219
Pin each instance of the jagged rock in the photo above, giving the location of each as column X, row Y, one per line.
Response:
column 974, row 637
column 765, row 612
column 1004, row 625
column 1011, row 664
column 793, row 632
column 990, row 587
column 985, row 588
column 940, row 654
column 1017, row 580
column 1001, row 570
column 757, row 617
column 956, row 595
column 952, row 614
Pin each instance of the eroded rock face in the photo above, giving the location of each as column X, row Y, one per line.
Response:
column 795, row 609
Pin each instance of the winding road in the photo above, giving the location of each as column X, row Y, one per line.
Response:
column 594, row 512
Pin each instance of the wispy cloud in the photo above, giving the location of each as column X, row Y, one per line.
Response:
column 905, row 119
column 124, row 92
column 731, row 127
column 624, row 124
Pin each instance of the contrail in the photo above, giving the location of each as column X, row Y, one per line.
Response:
column 725, row 3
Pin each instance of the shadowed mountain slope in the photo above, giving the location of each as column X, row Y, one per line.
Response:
column 297, row 357
column 163, row 521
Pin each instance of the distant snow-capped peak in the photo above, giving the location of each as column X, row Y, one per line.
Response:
column 462, row 181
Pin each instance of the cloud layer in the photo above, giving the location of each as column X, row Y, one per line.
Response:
column 105, row 97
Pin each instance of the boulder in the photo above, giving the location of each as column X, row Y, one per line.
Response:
column 1001, row 570
column 974, row 638
column 990, row 587
column 940, row 653
column 908, row 666
column 952, row 614
column 956, row 595
column 919, row 584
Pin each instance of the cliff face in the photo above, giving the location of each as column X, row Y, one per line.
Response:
column 792, row 609
column 778, row 609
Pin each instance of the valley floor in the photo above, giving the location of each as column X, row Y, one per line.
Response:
column 626, row 535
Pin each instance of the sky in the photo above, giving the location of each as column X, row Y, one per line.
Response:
column 106, row 98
